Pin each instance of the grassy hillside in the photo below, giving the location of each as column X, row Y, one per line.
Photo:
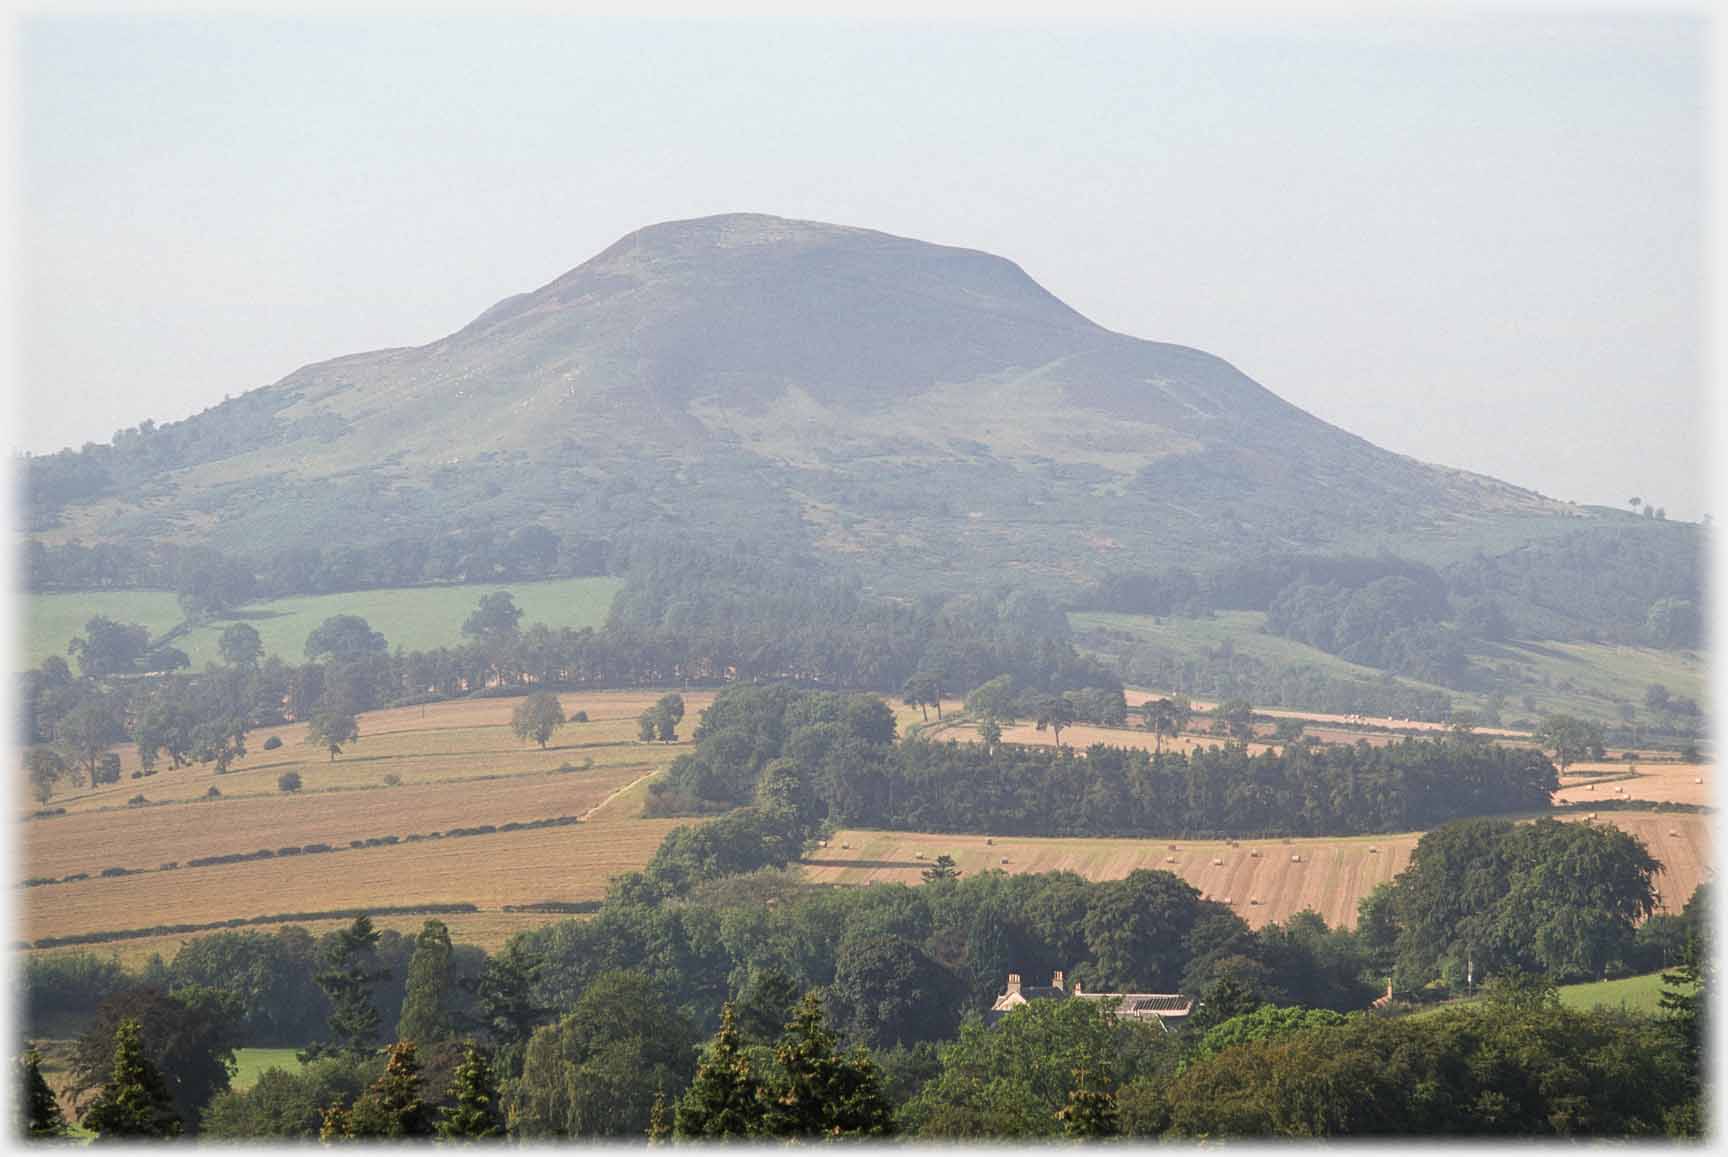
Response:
column 1589, row 679
column 410, row 617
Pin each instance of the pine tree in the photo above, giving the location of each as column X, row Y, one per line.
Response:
column 347, row 981
column 819, row 1092
column 425, row 1019
column 659, row 1128
column 723, row 1100
column 38, row 1109
column 507, row 1007
column 941, row 870
column 135, row 1101
column 1089, row 1113
column 475, row 1113
column 392, row 1106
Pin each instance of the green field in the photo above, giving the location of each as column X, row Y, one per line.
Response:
column 1588, row 679
column 251, row 1063
column 410, row 617
column 1633, row 993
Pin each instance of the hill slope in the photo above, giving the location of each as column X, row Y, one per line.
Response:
column 929, row 414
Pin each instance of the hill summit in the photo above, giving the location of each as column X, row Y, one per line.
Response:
column 926, row 413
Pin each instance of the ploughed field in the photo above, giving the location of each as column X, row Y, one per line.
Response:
column 1332, row 876
column 459, row 768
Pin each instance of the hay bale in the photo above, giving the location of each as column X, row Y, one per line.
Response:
column 1295, row 859
column 1373, row 851
column 1217, row 863
column 847, row 846
column 1004, row 859
column 1169, row 859
column 1255, row 853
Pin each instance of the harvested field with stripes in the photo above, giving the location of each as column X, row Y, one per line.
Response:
column 457, row 768
column 1331, row 877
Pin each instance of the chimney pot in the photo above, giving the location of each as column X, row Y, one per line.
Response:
column 1056, row 981
column 1013, row 982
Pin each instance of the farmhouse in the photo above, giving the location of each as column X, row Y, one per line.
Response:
column 1167, row 1009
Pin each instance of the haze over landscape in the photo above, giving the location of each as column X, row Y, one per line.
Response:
column 783, row 581
column 1267, row 192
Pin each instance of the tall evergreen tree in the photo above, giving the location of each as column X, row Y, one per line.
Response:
column 659, row 1128
column 393, row 1107
column 135, row 1101
column 507, row 1005
column 425, row 1017
column 39, row 1113
column 723, row 1100
column 347, row 981
column 818, row 1092
column 475, row 1112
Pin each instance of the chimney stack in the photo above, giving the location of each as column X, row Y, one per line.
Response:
column 1013, row 984
column 1056, row 982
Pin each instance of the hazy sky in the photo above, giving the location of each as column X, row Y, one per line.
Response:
column 1471, row 239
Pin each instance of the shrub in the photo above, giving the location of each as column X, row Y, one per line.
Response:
column 288, row 782
column 137, row 800
column 273, row 743
column 214, row 792
column 392, row 780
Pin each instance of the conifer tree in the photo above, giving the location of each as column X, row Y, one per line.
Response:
column 819, row 1092
column 135, row 1101
column 39, row 1113
column 347, row 980
column 1089, row 1113
column 425, row 1017
column 475, row 1113
column 723, row 1100
column 659, row 1128
column 392, row 1106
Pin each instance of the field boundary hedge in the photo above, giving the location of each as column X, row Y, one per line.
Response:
column 248, row 921
column 312, row 849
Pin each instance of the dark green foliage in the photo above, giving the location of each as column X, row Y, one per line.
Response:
column 660, row 722
column 597, row 1071
column 507, row 1008
column 288, row 782
column 940, row 869
column 425, row 1007
column 109, row 648
column 38, row 1111
column 188, row 1038
column 474, row 1113
column 291, row 1105
column 1012, row 1080
column 134, row 1102
column 1475, row 1070
column 1267, row 1022
column 724, row 1100
column 887, row 990
column 1546, row 896
column 816, row 1091
column 347, row 976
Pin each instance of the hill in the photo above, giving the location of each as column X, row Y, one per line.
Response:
column 921, row 415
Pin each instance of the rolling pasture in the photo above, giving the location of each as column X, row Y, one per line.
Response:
column 459, row 766
column 1333, row 875
column 415, row 618
column 1586, row 679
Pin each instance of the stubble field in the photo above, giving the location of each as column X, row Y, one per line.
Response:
column 1332, row 877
